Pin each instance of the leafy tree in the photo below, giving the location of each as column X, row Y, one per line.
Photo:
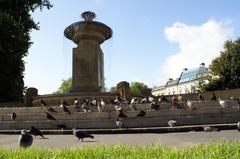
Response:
column 225, row 70
column 15, row 26
column 113, row 89
column 137, row 87
column 65, row 86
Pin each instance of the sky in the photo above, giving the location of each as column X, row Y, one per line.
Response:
column 153, row 40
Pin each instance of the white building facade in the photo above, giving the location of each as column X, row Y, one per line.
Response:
column 187, row 82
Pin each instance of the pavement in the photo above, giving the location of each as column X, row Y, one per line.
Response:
column 177, row 139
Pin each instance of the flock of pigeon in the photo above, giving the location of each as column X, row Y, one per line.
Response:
column 26, row 138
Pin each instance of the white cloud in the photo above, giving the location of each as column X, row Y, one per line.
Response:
column 197, row 44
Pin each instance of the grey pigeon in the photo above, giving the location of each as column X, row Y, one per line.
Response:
column 81, row 134
column 119, row 122
column 141, row 113
column 36, row 132
column 25, row 140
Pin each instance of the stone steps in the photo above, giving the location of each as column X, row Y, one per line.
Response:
column 129, row 122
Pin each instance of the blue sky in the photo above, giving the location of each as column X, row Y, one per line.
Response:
column 152, row 41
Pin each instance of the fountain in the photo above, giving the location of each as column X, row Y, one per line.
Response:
column 88, row 69
column 87, row 64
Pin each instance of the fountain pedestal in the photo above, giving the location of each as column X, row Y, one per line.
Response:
column 88, row 64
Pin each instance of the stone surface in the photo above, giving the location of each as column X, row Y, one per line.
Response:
column 88, row 64
column 148, row 139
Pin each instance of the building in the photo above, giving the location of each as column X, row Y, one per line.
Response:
column 187, row 82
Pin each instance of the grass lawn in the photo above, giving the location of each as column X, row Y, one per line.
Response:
column 215, row 150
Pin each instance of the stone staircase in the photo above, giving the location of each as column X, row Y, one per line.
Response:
column 205, row 112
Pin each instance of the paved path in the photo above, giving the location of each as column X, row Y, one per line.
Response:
column 168, row 139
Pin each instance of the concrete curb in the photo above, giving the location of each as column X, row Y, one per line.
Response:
column 135, row 130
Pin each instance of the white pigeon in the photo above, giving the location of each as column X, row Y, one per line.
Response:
column 132, row 101
column 222, row 103
column 99, row 108
column 102, row 103
column 238, row 126
column 172, row 123
column 190, row 104
column 150, row 99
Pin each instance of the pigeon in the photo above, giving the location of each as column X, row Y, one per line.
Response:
column 238, row 126
column 93, row 102
column 133, row 107
column 172, row 123
column 13, row 116
column 119, row 123
column 223, row 103
column 151, row 99
column 25, row 140
column 76, row 104
column 50, row 109
column 102, row 103
column 99, row 107
column 64, row 103
column 36, row 132
column 141, row 113
column 144, row 100
column 190, row 104
column 49, row 116
column 65, row 109
column 120, row 114
column 154, row 106
column 43, row 103
column 61, row 126
column 81, row 134
column 209, row 129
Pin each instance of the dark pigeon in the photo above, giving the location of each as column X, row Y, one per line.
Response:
column 13, row 116
column 66, row 110
column 36, row 132
column 50, row 117
column 81, row 134
column 50, row 109
column 25, row 140
column 120, row 114
column 43, row 103
column 141, row 113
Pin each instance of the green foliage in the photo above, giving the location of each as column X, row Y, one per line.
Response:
column 113, row 89
column 15, row 26
column 137, row 87
column 65, row 86
column 225, row 70
column 215, row 150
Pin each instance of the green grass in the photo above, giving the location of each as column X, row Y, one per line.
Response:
column 215, row 150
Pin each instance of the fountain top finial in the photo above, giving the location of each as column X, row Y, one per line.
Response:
column 88, row 15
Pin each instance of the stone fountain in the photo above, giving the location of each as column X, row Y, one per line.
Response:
column 87, row 64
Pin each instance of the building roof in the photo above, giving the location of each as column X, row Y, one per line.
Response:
column 192, row 74
column 158, row 88
column 172, row 82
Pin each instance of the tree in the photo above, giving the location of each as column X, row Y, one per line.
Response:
column 65, row 86
column 15, row 26
column 137, row 87
column 225, row 70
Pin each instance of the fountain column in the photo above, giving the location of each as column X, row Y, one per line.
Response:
column 88, row 64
